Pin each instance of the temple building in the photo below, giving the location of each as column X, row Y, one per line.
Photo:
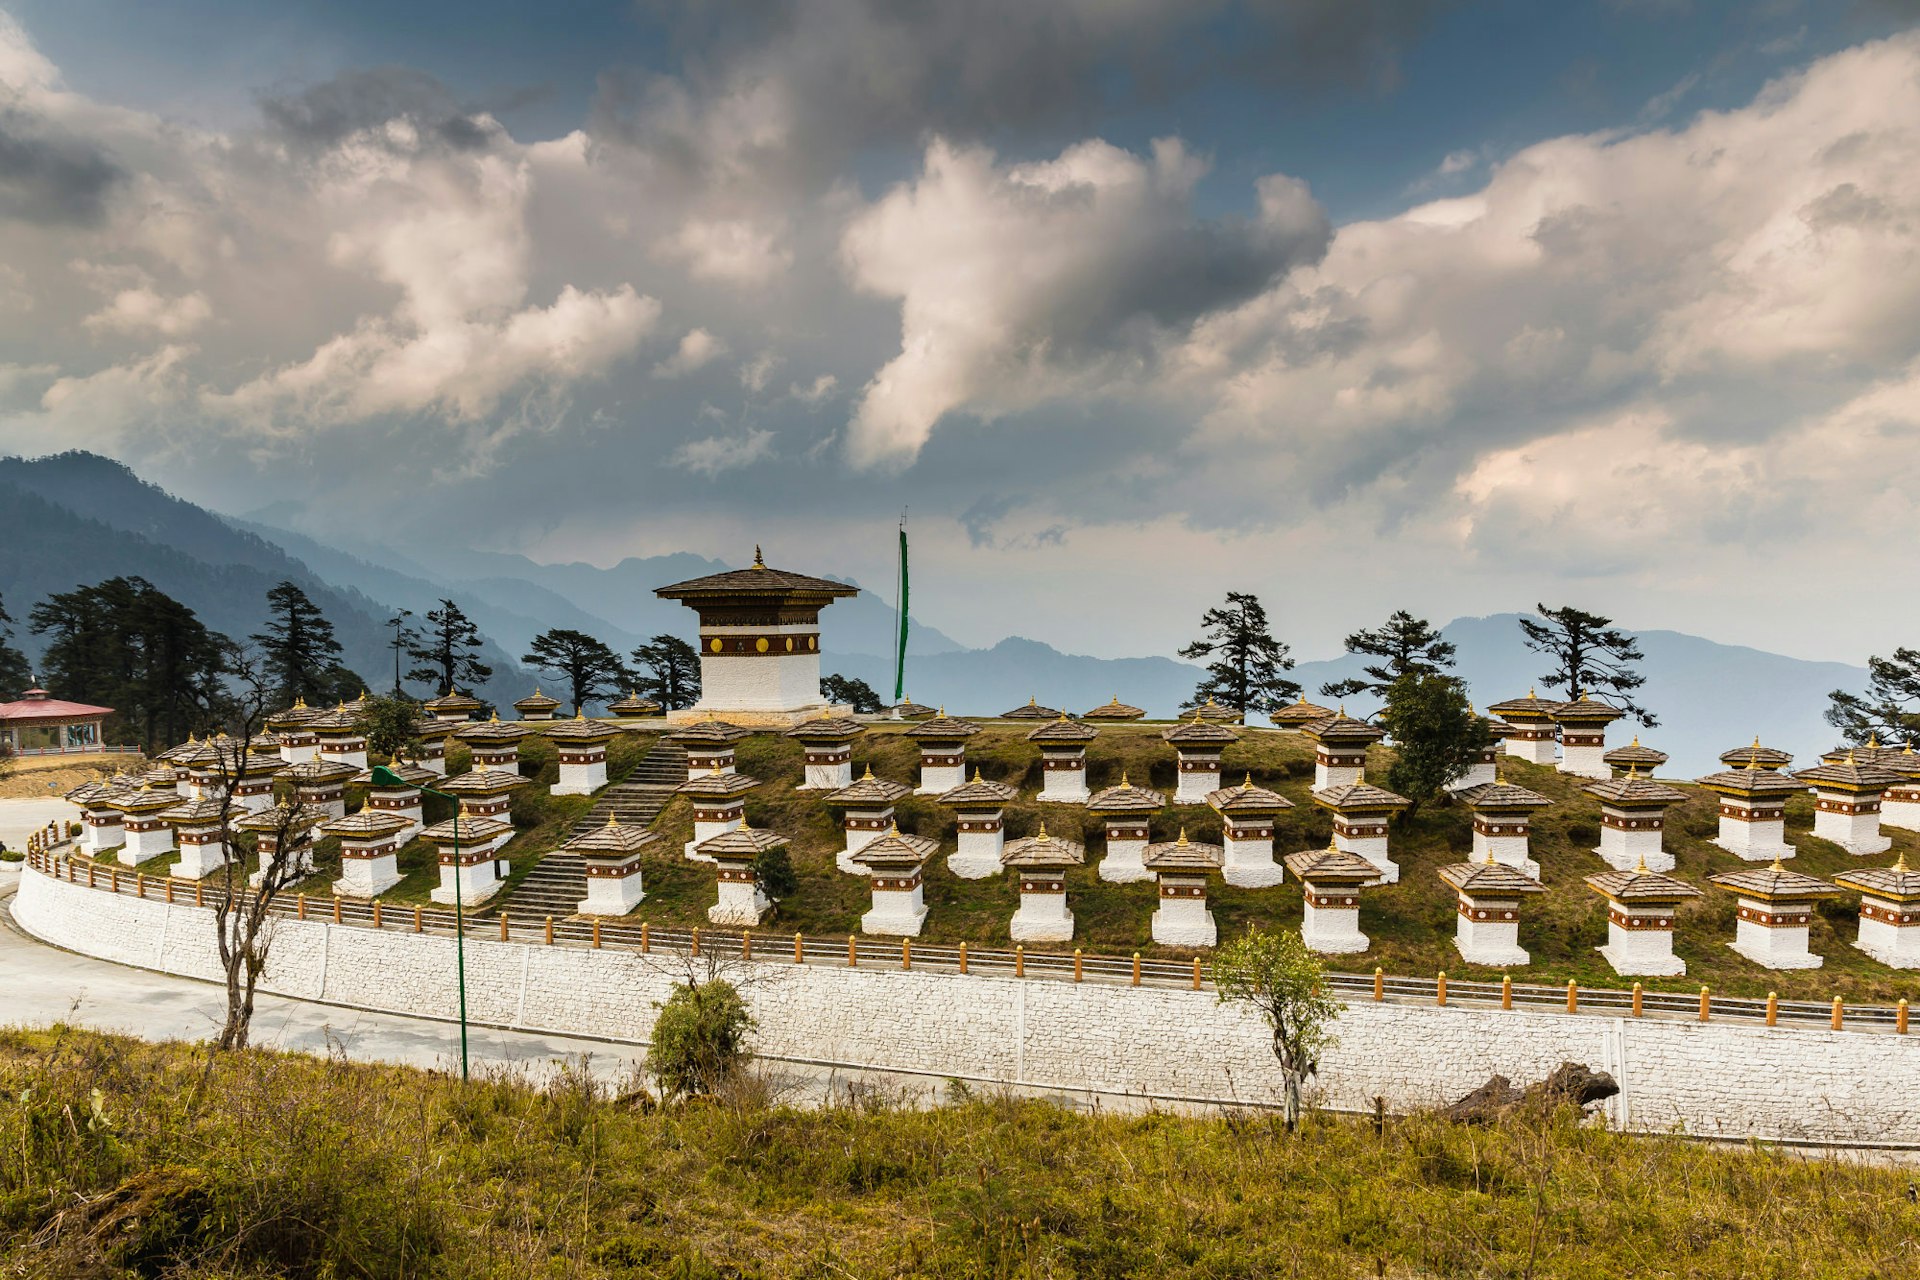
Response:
column 298, row 742
column 494, row 743
column 709, row 745
column 283, row 839
column 1532, row 734
column 41, row 724
column 1115, row 710
column 1198, row 744
column 580, row 745
column 469, row 872
column 1063, row 759
column 1753, row 810
column 175, row 759
column 1340, row 749
column 741, row 900
column 1583, row 736
column 1758, row 756
column 868, row 806
column 896, row 865
column 633, row 707
column 943, row 752
column 1502, row 820
column 1247, row 815
column 197, row 834
column 342, row 736
column 536, row 706
column 429, row 749
column 1126, row 811
column 828, row 745
column 1633, row 822
column 1889, row 912
column 1487, row 923
column 759, row 642
column 1042, row 863
column 719, row 806
column 908, row 709
column 101, row 820
column 1775, row 914
column 486, row 793
column 321, row 784
column 1641, row 907
column 1211, row 712
column 1183, row 867
column 370, row 843
column 453, row 706
column 1331, row 880
column 1362, row 814
column 403, row 802
column 610, row 856
column 1033, row 711
column 1846, row 808
column 146, row 834
column 1298, row 715
column 1634, row 756
column 980, row 836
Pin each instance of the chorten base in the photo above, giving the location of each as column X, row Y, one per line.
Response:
column 782, row 718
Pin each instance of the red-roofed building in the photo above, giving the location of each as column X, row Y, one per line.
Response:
column 40, row 724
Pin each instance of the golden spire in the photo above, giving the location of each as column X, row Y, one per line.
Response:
column 1849, row 755
column 494, row 718
column 1033, row 700
column 893, row 829
column 1753, row 763
column 1042, row 837
column 758, row 563
column 1182, row 841
column 613, row 819
column 1123, row 777
column 943, row 711
column 1636, row 739
column 1530, row 692
column 1247, row 783
column 536, row 691
column 868, row 775
column 579, row 713
column 1776, row 864
column 1873, row 740
column 1641, row 870
column 1900, row 863
column 1115, row 702
column 976, row 773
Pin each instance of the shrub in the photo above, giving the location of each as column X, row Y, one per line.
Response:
column 775, row 870
column 700, row 1037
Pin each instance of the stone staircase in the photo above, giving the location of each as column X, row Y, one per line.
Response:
column 558, row 882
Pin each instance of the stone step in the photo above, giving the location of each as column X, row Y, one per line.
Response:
column 638, row 798
column 552, row 888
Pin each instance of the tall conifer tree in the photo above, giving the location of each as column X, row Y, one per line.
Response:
column 298, row 653
column 1246, row 658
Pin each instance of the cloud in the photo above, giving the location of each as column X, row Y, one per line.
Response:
column 715, row 454
column 757, row 372
column 141, row 310
column 732, row 251
column 1017, row 282
column 697, row 349
column 816, row 392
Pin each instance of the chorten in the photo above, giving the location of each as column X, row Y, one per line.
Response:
column 1583, row 736
column 742, row 900
column 827, row 742
column 1043, row 862
column 1247, row 815
column 1063, row 759
column 1776, row 911
column 1362, row 814
column 1114, row 710
column 1125, row 809
column 1183, row 868
column 1633, row 821
column 943, row 752
column 1847, row 803
column 868, row 814
column 1641, row 906
column 1753, row 810
column 370, row 843
column 719, row 806
column 612, row 857
column 1340, row 748
column 1502, row 819
column 536, row 706
column 895, row 865
column 1332, row 879
column 1197, row 745
column 1487, row 923
column 580, row 745
column 1889, row 912
column 1634, row 756
column 979, row 835
column 1532, row 733
column 709, row 744
column 759, row 642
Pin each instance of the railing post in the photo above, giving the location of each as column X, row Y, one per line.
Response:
column 596, row 933
column 1900, row 1017
column 113, row 879
column 1379, row 983
column 419, row 921
column 853, row 952
column 1637, row 994
column 299, row 902
column 376, row 913
column 799, row 948
column 89, row 875
column 336, row 911
column 1839, row 1013
column 1196, row 973
column 1706, row 1002
column 1076, row 964
column 963, row 957
column 1136, row 968
column 1019, row 959
column 906, row 953
column 746, row 945
column 1440, row 989
column 1506, row 991
column 1773, row 1008
column 505, row 936
column 199, row 896
column 1573, row 996
column 645, row 940
column 549, row 930
column 694, row 950
column 169, row 888
column 140, row 885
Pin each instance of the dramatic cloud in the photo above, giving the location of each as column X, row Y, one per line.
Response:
column 696, row 350
column 1018, row 283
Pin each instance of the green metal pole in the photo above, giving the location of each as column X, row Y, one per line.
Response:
column 459, row 927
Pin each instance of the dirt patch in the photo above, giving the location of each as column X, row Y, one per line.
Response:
column 53, row 776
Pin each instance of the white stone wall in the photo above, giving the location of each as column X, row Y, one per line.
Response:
column 1717, row 1078
column 759, row 682
column 1857, row 833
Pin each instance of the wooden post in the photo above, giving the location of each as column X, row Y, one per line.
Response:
column 113, row 879
column 906, row 953
column 199, row 899
column 746, row 945
column 1379, row 1116
column 1706, row 1002
column 596, row 933
column 299, row 903
column 1773, row 1008
column 1136, row 968
column 1637, row 993
column 645, row 941
column 1440, row 989
column 1506, row 991
column 1573, row 996
column 799, row 948
column 1900, row 1017
column 963, row 957
column 1019, row 959
column 336, row 911
column 169, row 886
column 549, row 930
column 1076, row 964
column 503, row 927
column 418, row 921
column 376, row 913
column 1839, row 1014
column 853, row 952
column 1379, row 983
column 140, row 884
column 695, row 950
column 1196, row 973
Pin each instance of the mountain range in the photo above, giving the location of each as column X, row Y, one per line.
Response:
column 77, row 518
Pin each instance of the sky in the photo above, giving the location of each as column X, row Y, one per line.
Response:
column 1355, row 304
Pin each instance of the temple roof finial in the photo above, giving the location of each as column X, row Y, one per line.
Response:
column 613, row 819
column 758, row 561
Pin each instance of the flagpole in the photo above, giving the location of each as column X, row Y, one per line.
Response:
column 900, row 639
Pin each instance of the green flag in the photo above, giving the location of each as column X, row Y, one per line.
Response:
column 900, row 649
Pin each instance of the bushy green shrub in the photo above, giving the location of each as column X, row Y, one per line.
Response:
column 700, row 1037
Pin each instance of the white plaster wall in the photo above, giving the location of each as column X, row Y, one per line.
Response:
column 1857, row 833
column 788, row 682
column 1718, row 1078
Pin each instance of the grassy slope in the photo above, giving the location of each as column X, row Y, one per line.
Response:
column 128, row 1159
column 1411, row 923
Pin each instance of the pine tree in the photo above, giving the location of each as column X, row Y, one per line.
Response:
column 1436, row 736
column 1890, row 710
column 1247, row 660
column 15, row 674
column 299, row 656
column 405, row 637
column 672, row 671
column 1405, row 645
column 1591, row 658
column 591, row 670
column 847, row 691
column 448, row 653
